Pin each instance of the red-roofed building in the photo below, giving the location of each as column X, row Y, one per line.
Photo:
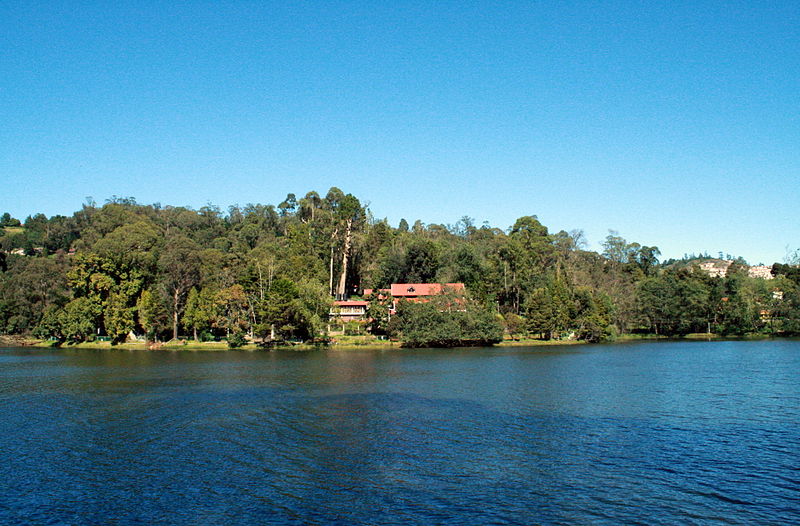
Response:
column 349, row 310
column 417, row 290
column 420, row 291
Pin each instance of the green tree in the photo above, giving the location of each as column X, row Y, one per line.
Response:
column 541, row 313
column 616, row 248
column 738, row 311
column 200, row 311
column 237, row 340
column 179, row 266
column 283, row 314
column 421, row 262
column 119, row 317
column 131, row 246
column 378, row 314
column 79, row 320
column 153, row 315
column 675, row 303
column 27, row 288
column 51, row 324
column 112, row 286
column 443, row 322
column 350, row 216
column 593, row 315
column 7, row 221
column 513, row 324
column 232, row 307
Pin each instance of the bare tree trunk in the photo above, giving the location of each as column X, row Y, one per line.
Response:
column 175, row 298
column 330, row 270
column 260, row 281
column 330, row 273
column 347, row 240
column 270, row 272
column 252, row 312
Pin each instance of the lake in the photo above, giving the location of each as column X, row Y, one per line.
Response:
column 654, row 433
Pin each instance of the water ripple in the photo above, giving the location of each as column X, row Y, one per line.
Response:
column 658, row 434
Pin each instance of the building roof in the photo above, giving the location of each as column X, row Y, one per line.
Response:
column 400, row 290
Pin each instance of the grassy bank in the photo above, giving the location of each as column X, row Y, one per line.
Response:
column 11, row 340
column 342, row 343
column 338, row 343
column 704, row 336
column 527, row 342
column 179, row 345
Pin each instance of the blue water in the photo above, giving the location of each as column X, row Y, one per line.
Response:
column 655, row 433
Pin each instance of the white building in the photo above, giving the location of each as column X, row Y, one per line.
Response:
column 717, row 268
column 760, row 271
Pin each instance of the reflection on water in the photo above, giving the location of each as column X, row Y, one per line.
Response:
column 659, row 433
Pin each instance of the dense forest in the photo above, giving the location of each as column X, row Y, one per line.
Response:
column 270, row 273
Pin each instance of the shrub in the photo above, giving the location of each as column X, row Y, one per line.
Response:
column 236, row 340
column 429, row 325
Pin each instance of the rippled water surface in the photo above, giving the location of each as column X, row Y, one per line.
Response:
column 657, row 433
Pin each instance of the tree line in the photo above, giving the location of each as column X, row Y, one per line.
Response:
column 270, row 272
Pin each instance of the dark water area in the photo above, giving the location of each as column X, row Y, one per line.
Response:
column 655, row 433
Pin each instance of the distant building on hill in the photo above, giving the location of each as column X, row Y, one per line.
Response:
column 22, row 252
column 760, row 271
column 717, row 268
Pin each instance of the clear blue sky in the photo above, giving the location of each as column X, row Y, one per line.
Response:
column 675, row 123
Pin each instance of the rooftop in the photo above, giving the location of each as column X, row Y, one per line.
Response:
column 400, row 290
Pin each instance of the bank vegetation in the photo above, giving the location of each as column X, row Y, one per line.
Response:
column 267, row 274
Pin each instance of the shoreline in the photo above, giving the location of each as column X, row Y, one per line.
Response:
column 345, row 344
column 189, row 345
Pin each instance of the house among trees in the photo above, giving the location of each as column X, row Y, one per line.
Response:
column 349, row 310
column 415, row 292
